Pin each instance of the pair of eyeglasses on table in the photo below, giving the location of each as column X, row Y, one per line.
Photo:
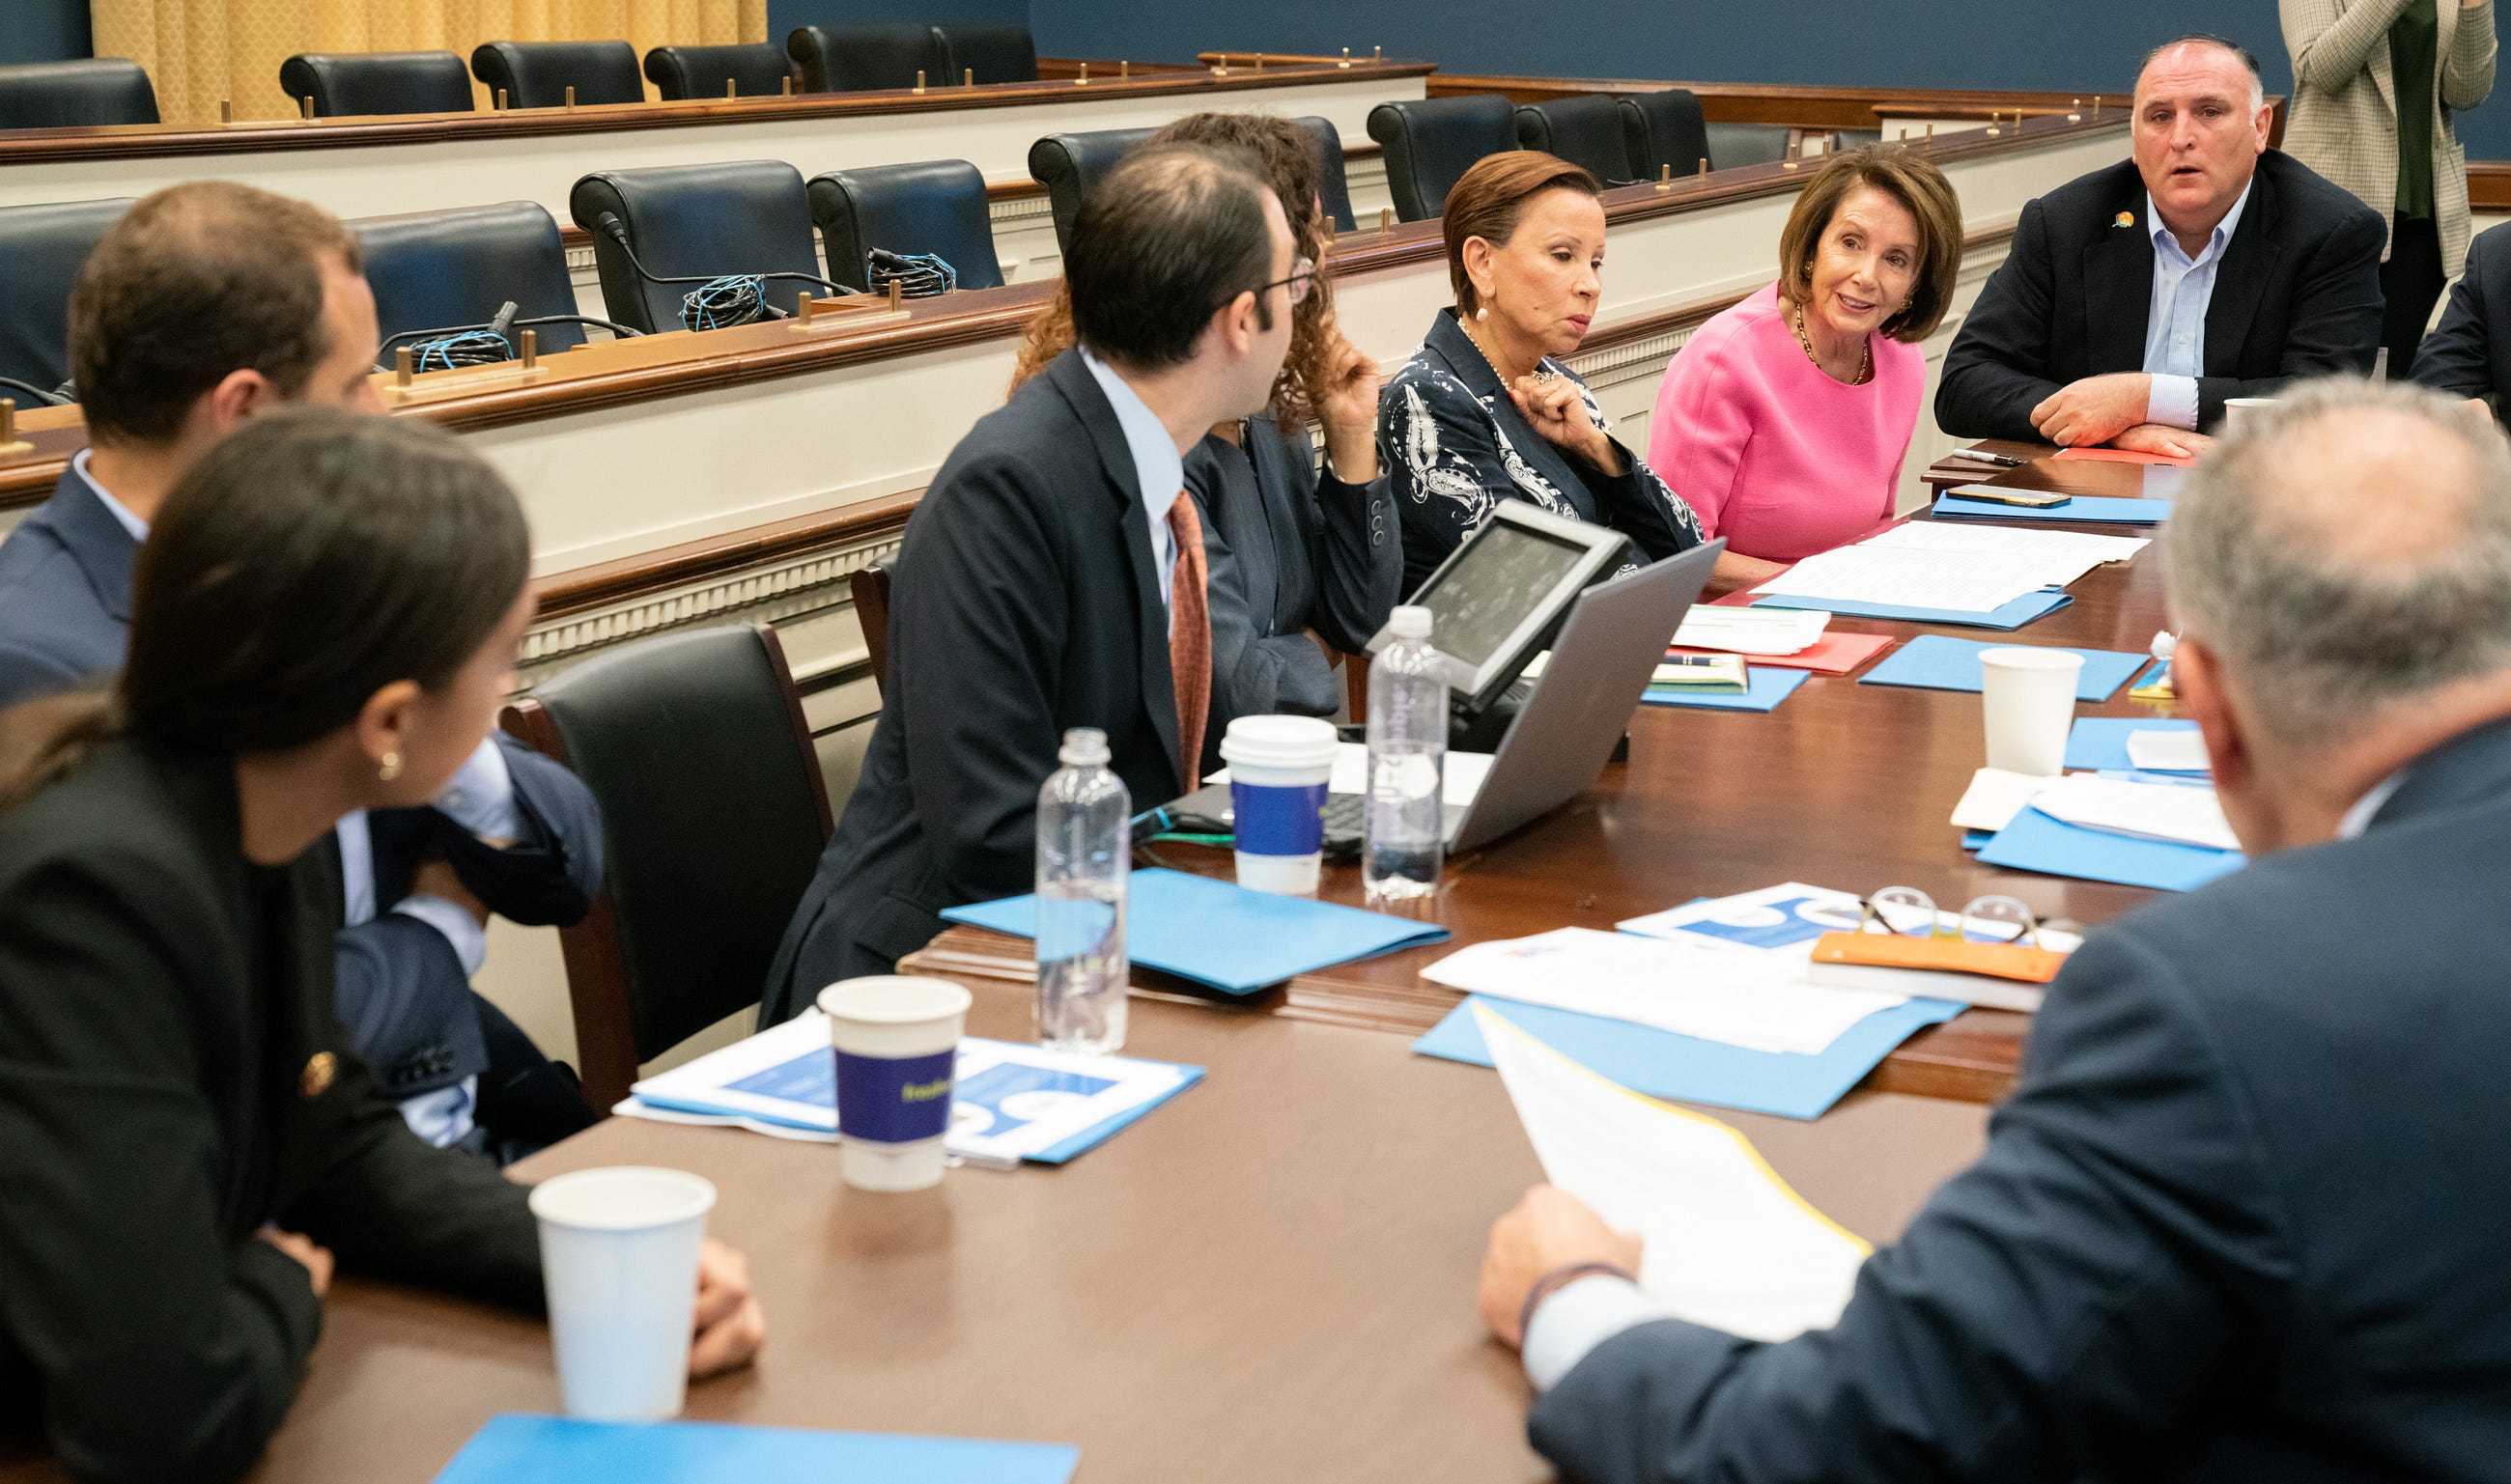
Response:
column 1992, row 919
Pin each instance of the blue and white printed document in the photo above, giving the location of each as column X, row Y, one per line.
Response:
column 519, row 1449
column 1009, row 1101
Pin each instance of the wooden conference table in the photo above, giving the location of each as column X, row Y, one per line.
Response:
column 1843, row 785
column 1272, row 1276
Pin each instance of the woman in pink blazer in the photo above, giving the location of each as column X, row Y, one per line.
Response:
column 1784, row 420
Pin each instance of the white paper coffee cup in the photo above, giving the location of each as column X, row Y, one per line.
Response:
column 1279, row 770
column 619, row 1260
column 895, row 1038
column 2237, row 407
column 2031, row 702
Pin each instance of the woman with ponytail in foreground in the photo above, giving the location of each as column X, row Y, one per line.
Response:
column 326, row 618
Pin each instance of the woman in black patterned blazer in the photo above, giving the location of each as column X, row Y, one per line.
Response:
column 1485, row 411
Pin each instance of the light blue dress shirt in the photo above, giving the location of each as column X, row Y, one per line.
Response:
column 1157, row 467
column 2175, row 326
column 480, row 798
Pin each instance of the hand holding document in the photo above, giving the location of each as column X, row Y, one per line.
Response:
column 1757, row 1001
column 1727, row 1243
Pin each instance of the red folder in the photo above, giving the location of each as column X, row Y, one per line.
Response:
column 1834, row 654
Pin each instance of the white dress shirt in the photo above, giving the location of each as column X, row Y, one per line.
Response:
column 1157, row 467
column 1593, row 1309
column 2175, row 326
column 137, row 527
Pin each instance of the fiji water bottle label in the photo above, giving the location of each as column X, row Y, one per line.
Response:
column 893, row 1099
column 1279, row 820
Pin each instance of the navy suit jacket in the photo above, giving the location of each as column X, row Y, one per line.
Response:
column 2247, row 1216
column 2297, row 293
column 1025, row 602
column 64, row 619
column 2467, row 355
column 1305, row 552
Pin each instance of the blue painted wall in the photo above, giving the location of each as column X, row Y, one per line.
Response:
column 2032, row 44
column 43, row 30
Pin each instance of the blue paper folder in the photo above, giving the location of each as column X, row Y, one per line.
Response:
column 513, row 1447
column 1663, row 1064
column 2099, row 744
column 1973, row 839
column 2099, row 507
column 2036, row 842
column 1766, row 688
column 1221, row 935
column 1934, row 662
column 2014, row 615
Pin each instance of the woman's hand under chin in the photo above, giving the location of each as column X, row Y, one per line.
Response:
column 1555, row 407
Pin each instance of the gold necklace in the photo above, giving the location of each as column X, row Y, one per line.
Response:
column 1865, row 367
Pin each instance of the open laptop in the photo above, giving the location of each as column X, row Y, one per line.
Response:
column 1569, row 725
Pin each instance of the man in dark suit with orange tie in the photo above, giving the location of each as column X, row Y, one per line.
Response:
column 1053, row 576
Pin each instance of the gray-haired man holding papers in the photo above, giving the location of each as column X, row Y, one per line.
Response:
column 2245, row 1216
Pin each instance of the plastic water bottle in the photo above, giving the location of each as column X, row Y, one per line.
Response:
column 1084, row 848
column 1405, row 821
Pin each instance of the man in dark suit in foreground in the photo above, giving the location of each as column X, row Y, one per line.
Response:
column 1052, row 577
column 2243, row 1218
column 2135, row 300
column 2469, row 353
column 206, row 306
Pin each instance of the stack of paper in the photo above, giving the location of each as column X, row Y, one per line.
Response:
column 1727, row 1242
column 1751, row 631
column 1757, row 1001
column 1009, row 1102
column 2178, row 812
column 1927, row 569
column 2101, row 744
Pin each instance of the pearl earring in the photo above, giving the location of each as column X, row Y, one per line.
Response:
column 1482, row 313
column 391, row 769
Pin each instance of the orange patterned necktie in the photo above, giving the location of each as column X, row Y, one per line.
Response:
column 1189, row 639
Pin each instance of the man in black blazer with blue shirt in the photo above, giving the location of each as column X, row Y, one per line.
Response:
column 2135, row 301
column 202, row 307
column 2244, row 1217
column 1053, row 576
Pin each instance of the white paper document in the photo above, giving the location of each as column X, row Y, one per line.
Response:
column 1994, row 797
column 2070, row 554
column 1757, row 1001
column 1010, row 1102
column 1912, row 577
column 2169, row 751
column 1727, row 1243
column 2178, row 813
column 1752, row 630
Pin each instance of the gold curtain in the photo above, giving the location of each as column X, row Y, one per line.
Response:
column 198, row 52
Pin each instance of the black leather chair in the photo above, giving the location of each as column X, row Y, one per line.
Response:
column 1331, row 183
column 1429, row 144
column 996, row 54
column 698, row 221
column 713, row 813
column 1735, row 144
column 1068, row 165
column 536, row 74
column 1664, row 130
column 754, row 70
column 1585, row 130
column 861, row 58
column 41, row 251
column 440, row 270
column 344, row 83
column 86, row 94
column 933, row 205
